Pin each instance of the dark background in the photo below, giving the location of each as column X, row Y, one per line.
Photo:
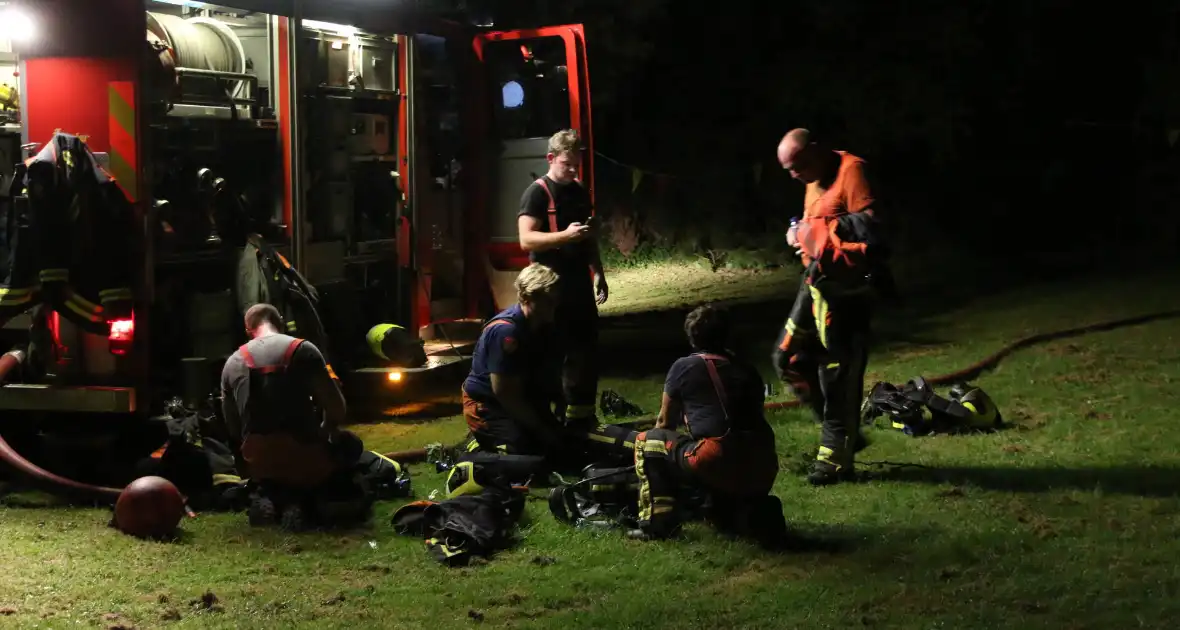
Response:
column 1038, row 130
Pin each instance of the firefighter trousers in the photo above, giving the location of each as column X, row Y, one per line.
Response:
column 737, row 471
column 493, row 430
column 577, row 336
column 823, row 358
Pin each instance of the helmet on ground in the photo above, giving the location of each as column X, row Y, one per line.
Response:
column 983, row 414
column 149, row 507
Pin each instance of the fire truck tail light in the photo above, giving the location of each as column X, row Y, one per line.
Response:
column 121, row 336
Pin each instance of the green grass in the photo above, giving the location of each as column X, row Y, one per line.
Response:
column 1066, row 520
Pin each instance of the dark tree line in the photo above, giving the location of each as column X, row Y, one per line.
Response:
column 973, row 114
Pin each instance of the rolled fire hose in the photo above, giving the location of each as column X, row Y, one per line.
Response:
column 200, row 43
column 966, row 374
column 48, row 480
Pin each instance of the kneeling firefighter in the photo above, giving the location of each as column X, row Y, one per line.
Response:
column 729, row 449
column 509, row 395
column 273, row 390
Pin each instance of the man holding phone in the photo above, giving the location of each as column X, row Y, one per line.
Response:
column 556, row 228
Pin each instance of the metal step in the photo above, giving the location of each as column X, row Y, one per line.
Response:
column 66, row 399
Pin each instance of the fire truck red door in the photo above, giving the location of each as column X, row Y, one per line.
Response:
column 538, row 85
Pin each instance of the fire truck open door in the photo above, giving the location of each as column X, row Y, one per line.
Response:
column 537, row 84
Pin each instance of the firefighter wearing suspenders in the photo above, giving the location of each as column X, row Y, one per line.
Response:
column 273, row 392
column 556, row 230
column 729, row 447
column 509, row 395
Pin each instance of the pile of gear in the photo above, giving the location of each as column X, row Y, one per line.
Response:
column 917, row 410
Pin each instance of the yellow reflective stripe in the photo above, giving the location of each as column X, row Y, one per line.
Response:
column 898, row 425
column 290, row 326
column 54, row 275
column 579, row 411
column 94, row 315
column 644, row 486
column 396, row 465
column 600, row 438
column 833, row 366
column 15, row 296
column 83, row 302
column 628, row 444
column 655, row 446
column 821, row 315
column 825, row 455
column 110, row 295
column 219, row 479
column 791, row 327
column 473, row 446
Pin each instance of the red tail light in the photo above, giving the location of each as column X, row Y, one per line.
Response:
column 121, row 336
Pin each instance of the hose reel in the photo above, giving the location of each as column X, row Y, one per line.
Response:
column 203, row 45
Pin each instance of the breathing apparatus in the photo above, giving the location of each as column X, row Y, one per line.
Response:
column 917, row 410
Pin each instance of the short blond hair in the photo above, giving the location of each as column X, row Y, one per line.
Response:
column 565, row 141
column 534, row 281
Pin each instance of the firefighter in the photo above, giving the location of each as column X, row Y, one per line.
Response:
column 555, row 227
column 509, row 393
column 728, row 447
column 823, row 347
column 275, row 391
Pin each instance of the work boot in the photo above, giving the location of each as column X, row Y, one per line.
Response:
column 261, row 511
column 826, row 474
column 293, row 518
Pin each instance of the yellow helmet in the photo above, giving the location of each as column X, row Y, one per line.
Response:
column 984, row 415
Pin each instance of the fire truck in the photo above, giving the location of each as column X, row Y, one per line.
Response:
column 381, row 151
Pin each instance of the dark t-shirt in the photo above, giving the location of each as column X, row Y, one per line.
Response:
column 688, row 383
column 572, row 202
column 235, row 388
column 510, row 349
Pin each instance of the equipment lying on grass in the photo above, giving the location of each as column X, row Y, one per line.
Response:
column 476, row 522
column 607, row 497
column 917, row 410
column 611, row 403
column 149, row 507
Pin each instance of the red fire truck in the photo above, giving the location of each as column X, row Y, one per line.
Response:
column 381, row 151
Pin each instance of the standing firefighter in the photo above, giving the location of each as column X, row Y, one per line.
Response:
column 554, row 226
column 729, row 447
column 823, row 348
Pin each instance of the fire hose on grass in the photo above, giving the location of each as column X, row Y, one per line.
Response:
column 44, row 478
column 50, row 481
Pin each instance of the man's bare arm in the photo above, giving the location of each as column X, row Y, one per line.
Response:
column 670, row 413
column 327, row 395
column 534, row 239
column 509, row 391
column 233, row 423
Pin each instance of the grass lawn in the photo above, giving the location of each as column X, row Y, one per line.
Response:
column 1066, row 520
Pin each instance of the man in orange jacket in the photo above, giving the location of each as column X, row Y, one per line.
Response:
column 823, row 348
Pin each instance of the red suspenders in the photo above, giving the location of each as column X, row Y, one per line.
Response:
column 280, row 366
column 552, row 205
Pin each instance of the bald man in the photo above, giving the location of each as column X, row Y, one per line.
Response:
column 823, row 348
